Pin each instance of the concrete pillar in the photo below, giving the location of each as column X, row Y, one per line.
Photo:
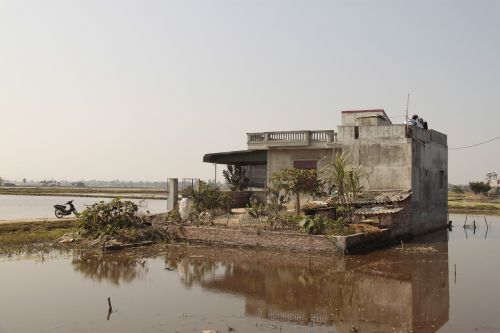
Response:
column 173, row 192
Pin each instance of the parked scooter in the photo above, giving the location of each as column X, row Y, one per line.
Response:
column 61, row 210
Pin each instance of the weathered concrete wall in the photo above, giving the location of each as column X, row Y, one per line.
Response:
column 383, row 152
column 429, row 180
column 349, row 118
column 278, row 159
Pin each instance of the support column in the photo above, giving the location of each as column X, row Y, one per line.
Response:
column 173, row 192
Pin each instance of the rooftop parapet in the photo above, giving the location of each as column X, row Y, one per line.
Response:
column 265, row 140
column 365, row 117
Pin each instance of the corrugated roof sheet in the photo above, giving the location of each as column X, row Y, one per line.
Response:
column 382, row 197
column 377, row 210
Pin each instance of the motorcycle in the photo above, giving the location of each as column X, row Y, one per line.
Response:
column 61, row 210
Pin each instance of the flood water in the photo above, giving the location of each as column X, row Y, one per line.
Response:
column 15, row 207
column 445, row 282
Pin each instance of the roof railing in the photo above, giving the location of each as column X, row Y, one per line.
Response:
column 292, row 137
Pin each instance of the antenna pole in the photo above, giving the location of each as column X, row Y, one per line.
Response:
column 407, row 104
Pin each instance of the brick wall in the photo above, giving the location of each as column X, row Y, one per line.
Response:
column 288, row 241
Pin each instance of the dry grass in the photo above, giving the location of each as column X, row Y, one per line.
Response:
column 473, row 206
column 16, row 237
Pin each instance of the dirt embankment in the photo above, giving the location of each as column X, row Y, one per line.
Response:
column 134, row 193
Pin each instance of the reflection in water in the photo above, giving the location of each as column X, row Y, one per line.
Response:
column 401, row 290
column 407, row 290
column 113, row 268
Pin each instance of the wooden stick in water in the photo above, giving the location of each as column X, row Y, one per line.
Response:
column 110, row 308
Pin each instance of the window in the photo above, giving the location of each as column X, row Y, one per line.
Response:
column 441, row 179
column 356, row 132
column 306, row 164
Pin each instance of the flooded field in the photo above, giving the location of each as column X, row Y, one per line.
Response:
column 15, row 207
column 445, row 282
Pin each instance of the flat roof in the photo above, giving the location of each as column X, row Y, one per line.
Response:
column 239, row 157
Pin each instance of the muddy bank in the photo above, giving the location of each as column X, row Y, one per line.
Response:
column 33, row 235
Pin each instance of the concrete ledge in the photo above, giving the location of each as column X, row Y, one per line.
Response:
column 358, row 243
column 289, row 241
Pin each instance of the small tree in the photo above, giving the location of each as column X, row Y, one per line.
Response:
column 343, row 178
column 207, row 198
column 457, row 189
column 479, row 187
column 293, row 182
column 107, row 218
column 236, row 178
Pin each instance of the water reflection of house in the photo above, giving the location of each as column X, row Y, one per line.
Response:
column 396, row 158
column 386, row 290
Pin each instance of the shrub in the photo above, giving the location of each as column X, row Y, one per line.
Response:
column 479, row 187
column 320, row 225
column 109, row 217
column 457, row 189
column 173, row 216
column 257, row 209
column 285, row 221
column 208, row 199
column 293, row 182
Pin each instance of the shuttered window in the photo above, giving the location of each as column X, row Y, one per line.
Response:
column 306, row 164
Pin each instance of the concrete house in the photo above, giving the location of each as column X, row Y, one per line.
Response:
column 407, row 166
column 492, row 179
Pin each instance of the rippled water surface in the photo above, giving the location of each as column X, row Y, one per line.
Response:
column 445, row 282
column 13, row 207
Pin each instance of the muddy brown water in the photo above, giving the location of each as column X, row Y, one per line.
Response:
column 409, row 288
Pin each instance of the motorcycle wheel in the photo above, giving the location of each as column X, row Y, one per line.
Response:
column 59, row 214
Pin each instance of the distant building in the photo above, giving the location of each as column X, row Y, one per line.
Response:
column 492, row 179
column 396, row 157
column 494, row 182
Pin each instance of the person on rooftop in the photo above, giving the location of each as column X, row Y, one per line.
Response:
column 413, row 121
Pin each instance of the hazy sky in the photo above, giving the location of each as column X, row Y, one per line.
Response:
column 140, row 90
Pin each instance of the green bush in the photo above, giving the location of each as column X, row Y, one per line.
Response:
column 285, row 221
column 479, row 187
column 173, row 216
column 256, row 208
column 108, row 218
column 320, row 225
column 208, row 199
column 293, row 182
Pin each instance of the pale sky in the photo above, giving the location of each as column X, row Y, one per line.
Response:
column 140, row 90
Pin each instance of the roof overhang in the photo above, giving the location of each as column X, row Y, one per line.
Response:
column 240, row 157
